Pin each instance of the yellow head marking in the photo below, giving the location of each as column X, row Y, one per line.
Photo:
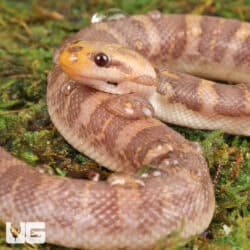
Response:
column 76, row 57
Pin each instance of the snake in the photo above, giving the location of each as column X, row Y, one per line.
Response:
column 113, row 87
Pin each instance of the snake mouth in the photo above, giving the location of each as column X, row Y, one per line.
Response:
column 112, row 83
column 104, row 85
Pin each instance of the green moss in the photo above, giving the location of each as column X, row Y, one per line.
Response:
column 29, row 32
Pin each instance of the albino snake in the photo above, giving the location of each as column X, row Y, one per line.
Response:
column 121, row 132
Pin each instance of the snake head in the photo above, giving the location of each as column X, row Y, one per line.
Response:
column 107, row 67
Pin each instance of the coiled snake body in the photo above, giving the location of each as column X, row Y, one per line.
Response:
column 120, row 130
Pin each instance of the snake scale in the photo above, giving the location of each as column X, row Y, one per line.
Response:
column 106, row 99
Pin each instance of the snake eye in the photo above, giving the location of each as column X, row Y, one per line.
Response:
column 101, row 59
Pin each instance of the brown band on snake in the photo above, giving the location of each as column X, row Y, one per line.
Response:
column 216, row 33
column 170, row 29
column 77, row 96
column 227, row 32
column 111, row 133
column 143, row 141
column 134, row 33
column 190, row 98
column 231, row 100
column 242, row 55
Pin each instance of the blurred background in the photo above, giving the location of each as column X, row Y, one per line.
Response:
column 29, row 32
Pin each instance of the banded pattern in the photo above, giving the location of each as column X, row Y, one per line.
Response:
column 128, row 211
column 134, row 211
column 177, row 98
column 193, row 102
column 206, row 46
